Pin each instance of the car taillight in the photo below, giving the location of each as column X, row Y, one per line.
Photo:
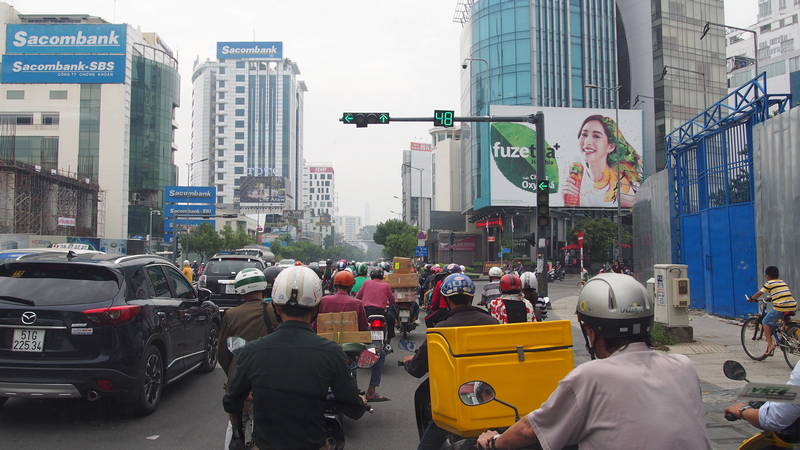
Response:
column 202, row 281
column 376, row 323
column 114, row 315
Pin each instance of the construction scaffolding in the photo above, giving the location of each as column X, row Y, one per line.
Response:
column 47, row 202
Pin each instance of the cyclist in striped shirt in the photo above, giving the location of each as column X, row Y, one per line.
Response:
column 783, row 303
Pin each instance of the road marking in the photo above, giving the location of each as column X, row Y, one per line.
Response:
column 153, row 437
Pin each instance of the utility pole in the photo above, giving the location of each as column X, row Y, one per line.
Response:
column 542, row 207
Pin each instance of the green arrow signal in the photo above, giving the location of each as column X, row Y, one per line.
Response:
column 543, row 185
column 347, row 118
column 383, row 117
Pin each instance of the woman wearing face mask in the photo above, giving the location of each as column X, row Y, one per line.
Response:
column 607, row 155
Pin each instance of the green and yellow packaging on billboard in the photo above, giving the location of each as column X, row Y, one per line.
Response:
column 523, row 362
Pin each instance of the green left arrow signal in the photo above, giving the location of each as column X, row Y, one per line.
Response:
column 543, row 185
column 347, row 118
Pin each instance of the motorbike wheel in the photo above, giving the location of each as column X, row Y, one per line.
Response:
column 791, row 347
column 753, row 341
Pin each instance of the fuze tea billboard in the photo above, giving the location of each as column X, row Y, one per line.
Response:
column 586, row 152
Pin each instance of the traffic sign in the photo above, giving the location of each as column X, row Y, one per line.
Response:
column 421, row 252
column 443, row 118
column 491, row 239
column 363, row 119
column 422, row 235
column 505, row 250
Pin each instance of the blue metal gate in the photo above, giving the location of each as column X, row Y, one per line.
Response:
column 710, row 162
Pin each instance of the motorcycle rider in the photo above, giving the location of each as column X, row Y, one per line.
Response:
column 511, row 306
column 251, row 320
column 361, row 276
column 378, row 298
column 530, row 292
column 292, row 368
column 629, row 393
column 491, row 290
column 458, row 290
column 342, row 301
column 438, row 303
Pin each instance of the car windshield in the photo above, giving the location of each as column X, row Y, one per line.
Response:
column 286, row 262
column 229, row 266
column 57, row 284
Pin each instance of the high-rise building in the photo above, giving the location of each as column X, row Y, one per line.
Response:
column 247, row 127
column 778, row 34
column 348, row 227
column 97, row 101
column 319, row 201
column 448, row 188
column 416, row 173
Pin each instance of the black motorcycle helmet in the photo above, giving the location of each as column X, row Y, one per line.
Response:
column 376, row 274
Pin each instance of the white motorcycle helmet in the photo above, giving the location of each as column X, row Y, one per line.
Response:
column 250, row 280
column 614, row 306
column 297, row 286
column 529, row 281
column 495, row 272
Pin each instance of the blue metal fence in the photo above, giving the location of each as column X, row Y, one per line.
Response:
column 710, row 162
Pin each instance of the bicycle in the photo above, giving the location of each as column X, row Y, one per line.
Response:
column 786, row 335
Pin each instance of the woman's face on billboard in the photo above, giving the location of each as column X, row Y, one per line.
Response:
column 593, row 142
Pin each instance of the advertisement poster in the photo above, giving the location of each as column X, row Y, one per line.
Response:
column 253, row 50
column 190, row 194
column 63, row 69
column 262, row 190
column 587, row 152
column 65, row 38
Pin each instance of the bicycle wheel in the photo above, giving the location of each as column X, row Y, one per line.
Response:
column 791, row 346
column 753, row 340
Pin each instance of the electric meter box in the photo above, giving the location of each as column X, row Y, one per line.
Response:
column 671, row 294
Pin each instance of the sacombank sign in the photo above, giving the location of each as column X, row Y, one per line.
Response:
column 71, row 38
column 252, row 50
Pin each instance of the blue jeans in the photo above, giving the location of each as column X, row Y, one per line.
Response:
column 377, row 370
column 771, row 318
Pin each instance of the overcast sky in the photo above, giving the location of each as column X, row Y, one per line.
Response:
column 355, row 55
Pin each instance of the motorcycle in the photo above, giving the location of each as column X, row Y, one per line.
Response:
column 788, row 438
column 556, row 273
column 377, row 327
column 540, row 308
column 405, row 322
column 244, row 423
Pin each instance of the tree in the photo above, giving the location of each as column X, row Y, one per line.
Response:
column 390, row 227
column 600, row 236
column 203, row 240
column 400, row 244
column 235, row 239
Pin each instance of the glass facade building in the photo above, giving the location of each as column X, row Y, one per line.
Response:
column 155, row 93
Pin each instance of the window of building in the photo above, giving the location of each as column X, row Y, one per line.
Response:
column 794, row 63
column 239, row 135
column 240, row 78
column 221, row 153
column 50, row 118
column 239, row 113
column 221, row 130
column 239, row 124
column 220, row 176
column 238, row 170
column 235, row 192
column 15, row 95
column 240, row 100
column 222, row 70
column 58, row 95
column 220, row 199
column 238, row 158
column 18, row 119
column 220, row 106
column 222, row 83
column 237, row 182
column 240, row 64
column 239, row 147
column 220, row 117
column 764, row 8
column 220, row 141
column 220, row 164
column 220, row 187
column 221, row 95
column 782, row 4
column 240, row 89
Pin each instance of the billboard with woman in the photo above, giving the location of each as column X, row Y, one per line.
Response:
column 588, row 154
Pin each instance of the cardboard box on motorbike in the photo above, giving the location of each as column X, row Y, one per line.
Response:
column 523, row 362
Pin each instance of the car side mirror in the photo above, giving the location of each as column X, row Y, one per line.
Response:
column 203, row 294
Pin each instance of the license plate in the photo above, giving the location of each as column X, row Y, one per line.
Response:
column 405, row 314
column 28, row 341
column 377, row 335
column 230, row 289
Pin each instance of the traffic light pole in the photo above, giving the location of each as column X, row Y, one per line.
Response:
column 542, row 253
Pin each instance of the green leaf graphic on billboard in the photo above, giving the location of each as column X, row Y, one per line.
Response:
column 514, row 152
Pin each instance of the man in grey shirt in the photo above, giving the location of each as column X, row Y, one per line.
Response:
column 491, row 290
column 623, row 399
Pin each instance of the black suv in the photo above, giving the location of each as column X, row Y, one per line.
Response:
column 220, row 273
column 100, row 325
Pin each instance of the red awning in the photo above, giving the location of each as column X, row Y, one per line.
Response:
column 571, row 247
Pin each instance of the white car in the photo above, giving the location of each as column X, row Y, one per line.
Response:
column 286, row 263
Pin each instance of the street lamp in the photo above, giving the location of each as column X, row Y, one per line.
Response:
column 153, row 212
column 399, row 216
column 189, row 165
column 707, row 28
column 619, row 192
column 705, row 89
column 636, row 100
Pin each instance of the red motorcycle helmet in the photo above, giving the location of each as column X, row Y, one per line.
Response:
column 510, row 283
column 344, row 278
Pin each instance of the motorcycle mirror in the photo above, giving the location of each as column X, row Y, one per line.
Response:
column 734, row 370
column 235, row 343
column 474, row 393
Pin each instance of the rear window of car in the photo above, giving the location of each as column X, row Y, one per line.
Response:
column 230, row 266
column 57, row 284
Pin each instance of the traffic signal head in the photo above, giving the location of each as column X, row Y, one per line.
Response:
column 543, row 203
column 361, row 120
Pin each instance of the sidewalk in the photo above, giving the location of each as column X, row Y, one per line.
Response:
column 716, row 340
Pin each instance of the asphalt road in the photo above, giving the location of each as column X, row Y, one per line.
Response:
column 191, row 414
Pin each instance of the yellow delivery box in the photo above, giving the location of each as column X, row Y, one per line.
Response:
column 523, row 363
